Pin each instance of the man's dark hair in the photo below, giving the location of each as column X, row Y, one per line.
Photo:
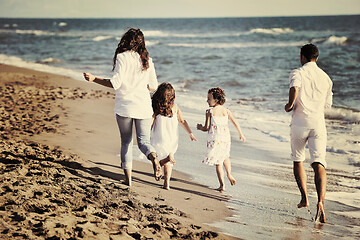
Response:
column 310, row 52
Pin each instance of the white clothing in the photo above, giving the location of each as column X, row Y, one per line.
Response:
column 314, row 95
column 219, row 140
column 165, row 135
column 132, row 97
column 316, row 140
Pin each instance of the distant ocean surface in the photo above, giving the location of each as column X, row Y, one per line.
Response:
column 250, row 58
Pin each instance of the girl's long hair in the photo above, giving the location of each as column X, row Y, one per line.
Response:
column 163, row 100
column 133, row 40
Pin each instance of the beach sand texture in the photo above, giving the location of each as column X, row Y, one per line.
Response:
column 60, row 178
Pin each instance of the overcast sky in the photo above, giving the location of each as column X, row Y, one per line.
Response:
column 174, row 8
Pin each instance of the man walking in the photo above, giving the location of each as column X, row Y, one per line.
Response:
column 310, row 93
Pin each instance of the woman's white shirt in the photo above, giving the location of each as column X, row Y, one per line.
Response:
column 130, row 81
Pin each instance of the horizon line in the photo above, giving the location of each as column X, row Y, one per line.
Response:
column 274, row 16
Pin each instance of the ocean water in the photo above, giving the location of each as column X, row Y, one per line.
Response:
column 250, row 58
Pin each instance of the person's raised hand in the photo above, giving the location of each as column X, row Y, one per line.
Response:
column 89, row 77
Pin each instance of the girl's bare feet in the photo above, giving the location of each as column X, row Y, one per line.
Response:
column 171, row 158
column 303, row 203
column 320, row 213
column 220, row 189
column 232, row 180
column 166, row 187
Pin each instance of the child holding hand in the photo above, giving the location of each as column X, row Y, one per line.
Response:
column 164, row 132
column 219, row 140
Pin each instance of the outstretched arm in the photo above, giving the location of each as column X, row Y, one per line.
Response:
column 104, row 82
column 206, row 127
column 293, row 92
column 184, row 124
column 236, row 124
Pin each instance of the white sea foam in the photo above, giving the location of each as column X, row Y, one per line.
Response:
column 334, row 40
column 34, row 32
column 273, row 31
column 348, row 198
column 343, row 114
column 16, row 61
column 101, row 38
column 62, row 24
column 49, row 60
column 152, row 43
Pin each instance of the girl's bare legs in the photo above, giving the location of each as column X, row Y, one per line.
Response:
column 227, row 165
column 169, row 158
column 127, row 173
column 220, row 174
column 167, row 176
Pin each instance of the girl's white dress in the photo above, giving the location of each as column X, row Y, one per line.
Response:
column 165, row 135
column 219, row 140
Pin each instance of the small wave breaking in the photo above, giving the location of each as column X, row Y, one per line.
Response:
column 101, row 38
column 19, row 62
column 272, row 31
column 49, row 60
column 343, row 114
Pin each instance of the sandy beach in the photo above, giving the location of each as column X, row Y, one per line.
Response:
column 60, row 175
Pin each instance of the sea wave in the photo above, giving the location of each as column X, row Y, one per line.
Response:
column 343, row 114
column 237, row 45
column 34, row 32
column 19, row 62
column 272, row 31
column 101, row 38
column 62, row 24
column 332, row 40
column 49, row 60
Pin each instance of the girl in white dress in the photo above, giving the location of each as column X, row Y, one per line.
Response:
column 219, row 140
column 164, row 131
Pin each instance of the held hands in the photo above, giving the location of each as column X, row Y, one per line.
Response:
column 89, row 77
column 199, row 126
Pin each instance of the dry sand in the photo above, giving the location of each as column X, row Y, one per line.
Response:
column 60, row 175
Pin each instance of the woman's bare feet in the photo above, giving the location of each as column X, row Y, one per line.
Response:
column 303, row 203
column 156, row 166
column 320, row 213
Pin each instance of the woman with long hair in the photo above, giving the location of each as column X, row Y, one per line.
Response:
column 134, row 76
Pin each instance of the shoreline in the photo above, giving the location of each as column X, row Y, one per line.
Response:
column 78, row 121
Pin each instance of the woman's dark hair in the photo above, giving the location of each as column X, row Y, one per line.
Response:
column 309, row 51
column 133, row 40
column 163, row 100
column 218, row 94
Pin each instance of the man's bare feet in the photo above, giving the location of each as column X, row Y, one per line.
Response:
column 303, row 203
column 320, row 213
